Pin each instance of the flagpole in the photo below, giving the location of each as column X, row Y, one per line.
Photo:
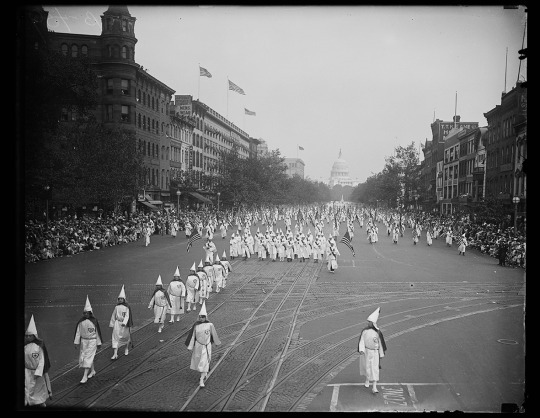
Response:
column 199, row 86
column 227, row 97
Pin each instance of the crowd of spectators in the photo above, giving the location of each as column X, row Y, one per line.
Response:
column 71, row 235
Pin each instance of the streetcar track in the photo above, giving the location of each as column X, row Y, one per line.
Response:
column 262, row 339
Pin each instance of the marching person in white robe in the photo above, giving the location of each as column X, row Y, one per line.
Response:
column 121, row 323
column 177, row 295
column 462, row 245
column 37, row 385
column 192, row 289
column 332, row 264
column 226, row 268
column 372, row 347
column 199, row 340
column 160, row 302
column 88, row 335
column 203, row 283
column 209, row 270
column 218, row 274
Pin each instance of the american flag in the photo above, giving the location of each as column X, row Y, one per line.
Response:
column 192, row 240
column 235, row 88
column 249, row 112
column 204, row 72
column 347, row 241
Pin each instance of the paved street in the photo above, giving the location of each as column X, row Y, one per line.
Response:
column 454, row 327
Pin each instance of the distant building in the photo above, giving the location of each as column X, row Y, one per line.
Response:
column 262, row 148
column 340, row 174
column 295, row 167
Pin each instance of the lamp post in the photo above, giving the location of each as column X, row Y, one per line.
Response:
column 47, row 188
column 218, row 194
column 178, row 193
column 515, row 199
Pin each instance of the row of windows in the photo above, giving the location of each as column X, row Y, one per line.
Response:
column 65, row 49
column 148, row 124
column 499, row 131
column 126, row 25
column 500, row 156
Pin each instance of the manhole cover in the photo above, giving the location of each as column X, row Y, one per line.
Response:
column 503, row 341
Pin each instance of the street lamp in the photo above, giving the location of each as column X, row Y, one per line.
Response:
column 515, row 199
column 178, row 193
column 47, row 188
column 218, row 194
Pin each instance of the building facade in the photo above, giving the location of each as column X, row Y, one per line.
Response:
column 295, row 167
column 506, row 148
column 173, row 133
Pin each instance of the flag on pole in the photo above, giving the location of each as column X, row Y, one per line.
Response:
column 235, row 88
column 204, row 72
column 249, row 112
column 347, row 241
column 300, row 148
column 192, row 240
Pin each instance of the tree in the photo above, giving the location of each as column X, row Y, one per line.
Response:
column 92, row 163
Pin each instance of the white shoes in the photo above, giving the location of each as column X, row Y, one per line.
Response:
column 126, row 352
column 114, row 357
column 178, row 319
column 366, row 384
column 159, row 329
column 92, row 374
column 171, row 321
column 84, row 379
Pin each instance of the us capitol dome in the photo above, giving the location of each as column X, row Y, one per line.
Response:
column 340, row 174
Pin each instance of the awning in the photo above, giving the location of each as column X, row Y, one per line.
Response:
column 155, row 202
column 200, row 197
column 149, row 205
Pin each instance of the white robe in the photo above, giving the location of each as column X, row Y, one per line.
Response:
column 192, row 283
column 88, row 338
column 369, row 361
column 202, row 347
column 160, row 304
column 121, row 335
column 37, row 385
column 177, row 294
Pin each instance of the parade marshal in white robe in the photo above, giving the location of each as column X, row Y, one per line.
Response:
column 371, row 346
column 88, row 335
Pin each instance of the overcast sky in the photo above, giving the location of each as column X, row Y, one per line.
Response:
column 363, row 79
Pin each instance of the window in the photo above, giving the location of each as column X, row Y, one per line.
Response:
column 139, row 120
column 64, row 48
column 109, row 113
column 138, row 96
column 64, row 115
column 125, row 114
column 110, row 86
column 109, row 24
column 124, row 52
column 84, row 51
column 74, row 51
column 125, row 87
column 144, row 122
column 124, row 25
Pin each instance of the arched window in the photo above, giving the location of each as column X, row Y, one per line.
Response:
column 124, row 52
column 74, row 51
column 64, row 48
column 139, row 120
column 84, row 50
column 144, row 122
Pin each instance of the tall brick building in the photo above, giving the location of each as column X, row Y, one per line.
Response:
column 170, row 139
